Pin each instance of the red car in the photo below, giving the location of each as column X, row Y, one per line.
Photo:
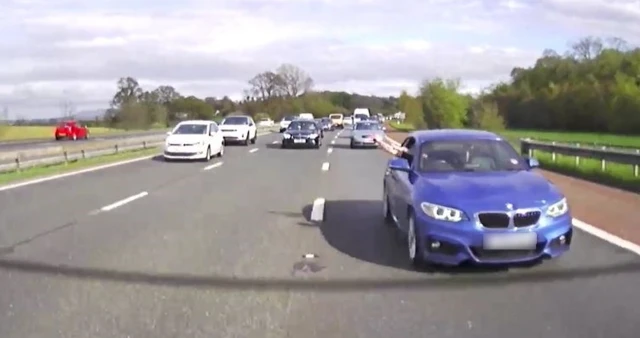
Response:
column 72, row 131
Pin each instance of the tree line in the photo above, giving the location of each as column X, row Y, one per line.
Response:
column 285, row 91
column 593, row 86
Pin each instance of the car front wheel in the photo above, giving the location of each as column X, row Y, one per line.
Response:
column 413, row 245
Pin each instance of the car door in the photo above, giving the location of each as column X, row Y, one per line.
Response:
column 215, row 137
column 401, row 187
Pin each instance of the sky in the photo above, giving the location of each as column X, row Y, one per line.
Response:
column 57, row 51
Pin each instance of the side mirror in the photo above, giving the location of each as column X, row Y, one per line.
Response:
column 168, row 133
column 532, row 162
column 384, row 128
column 212, row 133
column 399, row 164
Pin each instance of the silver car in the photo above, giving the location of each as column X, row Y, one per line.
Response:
column 365, row 133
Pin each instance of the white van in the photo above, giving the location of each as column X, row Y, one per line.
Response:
column 306, row 116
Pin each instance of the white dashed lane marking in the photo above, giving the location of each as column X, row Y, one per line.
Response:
column 254, row 150
column 215, row 165
column 317, row 211
column 325, row 166
column 124, row 201
column 329, row 151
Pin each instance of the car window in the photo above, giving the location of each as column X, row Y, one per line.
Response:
column 190, row 129
column 214, row 127
column 302, row 125
column 469, row 155
column 288, row 118
column 235, row 120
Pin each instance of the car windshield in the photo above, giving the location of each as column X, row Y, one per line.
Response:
column 288, row 118
column 368, row 126
column 361, row 116
column 302, row 125
column 469, row 155
column 335, row 116
column 236, row 120
column 191, row 129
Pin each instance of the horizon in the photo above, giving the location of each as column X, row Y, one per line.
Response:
column 61, row 50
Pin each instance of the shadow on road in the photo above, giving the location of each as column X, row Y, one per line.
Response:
column 356, row 228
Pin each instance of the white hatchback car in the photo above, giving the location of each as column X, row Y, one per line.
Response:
column 194, row 140
column 239, row 128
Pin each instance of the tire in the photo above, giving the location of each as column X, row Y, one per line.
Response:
column 386, row 210
column 255, row 138
column 246, row 141
column 413, row 245
column 221, row 152
column 352, row 145
column 208, row 156
column 283, row 146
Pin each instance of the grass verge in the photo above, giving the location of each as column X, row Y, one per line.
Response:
column 28, row 133
column 55, row 169
column 615, row 175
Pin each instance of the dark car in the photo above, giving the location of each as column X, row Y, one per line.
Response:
column 304, row 133
column 326, row 124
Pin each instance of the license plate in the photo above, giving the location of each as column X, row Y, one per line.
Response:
column 299, row 141
column 524, row 241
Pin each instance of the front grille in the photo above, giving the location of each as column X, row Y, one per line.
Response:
column 526, row 219
column 494, row 220
column 173, row 153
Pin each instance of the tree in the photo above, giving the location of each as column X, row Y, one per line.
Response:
column 443, row 106
column 128, row 91
column 294, row 80
column 412, row 108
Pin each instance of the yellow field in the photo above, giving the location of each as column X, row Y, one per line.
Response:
column 14, row 133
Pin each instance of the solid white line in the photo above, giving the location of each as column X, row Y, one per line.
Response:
column 611, row 238
column 124, row 201
column 330, row 150
column 333, row 142
column 73, row 173
column 254, row 150
column 325, row 166
column 215, row 165
column 274, row 142
column 317, row 211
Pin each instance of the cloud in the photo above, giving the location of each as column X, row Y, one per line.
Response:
column 69, row 49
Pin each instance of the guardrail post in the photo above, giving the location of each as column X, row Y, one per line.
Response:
column 578, row 157
column 553, row 153
column 603, row 163
column 66, row 157
column 84, row 155
column 636, row 168
column 144, row 144
column 524, row 148
column 116, row 148
column 18, row 169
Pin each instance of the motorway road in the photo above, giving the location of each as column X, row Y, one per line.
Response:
column 34, row 144
column 218, row 253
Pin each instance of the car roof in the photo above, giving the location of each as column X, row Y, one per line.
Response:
column 195, row 122
column 452, row 135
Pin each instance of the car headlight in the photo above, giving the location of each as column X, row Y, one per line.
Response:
column 442, row 213
column 286, row 135
column 313, row 135
column 558, row 209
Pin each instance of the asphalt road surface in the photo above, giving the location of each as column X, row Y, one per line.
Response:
column 218, row 253
column 35, row 144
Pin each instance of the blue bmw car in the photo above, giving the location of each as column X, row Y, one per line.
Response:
column 467, row 196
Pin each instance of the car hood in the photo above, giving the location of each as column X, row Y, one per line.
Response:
column 473, row 192
column 182, row 139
